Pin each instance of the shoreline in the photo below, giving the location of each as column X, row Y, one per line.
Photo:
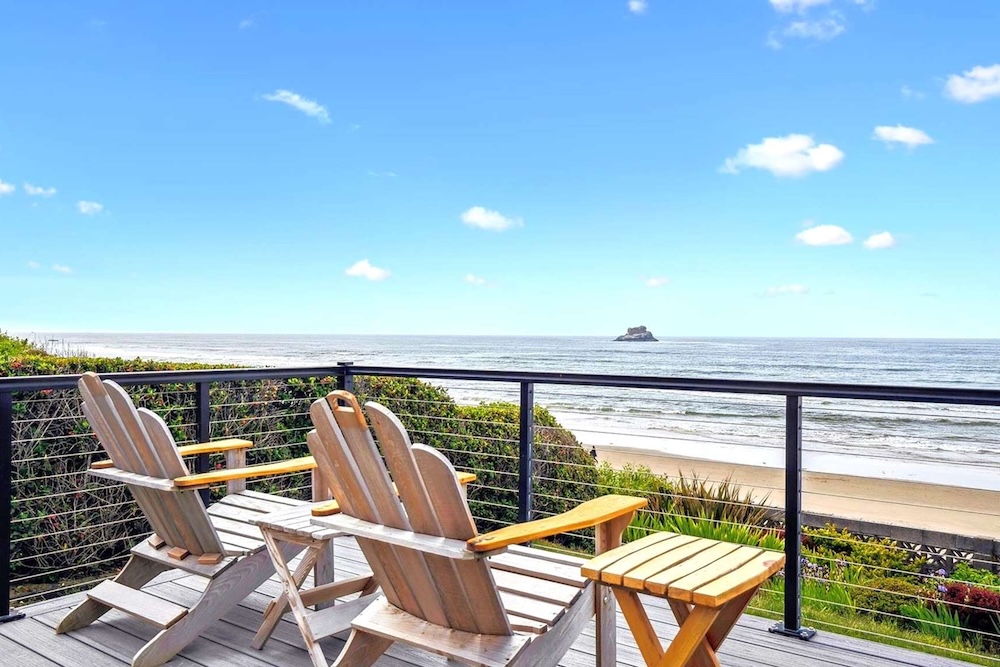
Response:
column 912, row 504
column 663, row 442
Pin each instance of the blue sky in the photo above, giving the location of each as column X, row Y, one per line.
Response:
column 717, row 168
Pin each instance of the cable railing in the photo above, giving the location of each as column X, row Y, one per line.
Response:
column 66, row 531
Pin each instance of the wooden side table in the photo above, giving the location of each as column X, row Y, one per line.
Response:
column 707, row 584
column 295, row 525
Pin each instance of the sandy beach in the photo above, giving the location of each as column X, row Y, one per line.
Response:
column 937, row 507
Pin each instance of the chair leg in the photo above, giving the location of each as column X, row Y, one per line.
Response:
column 606, row 651
column 223, row 593
column 137, row 572
column 362, row 650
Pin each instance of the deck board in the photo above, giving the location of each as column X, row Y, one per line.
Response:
column 112, row 641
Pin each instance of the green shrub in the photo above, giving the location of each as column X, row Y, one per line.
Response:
column 18, row 347
column 693, row 507
column 646, row 523
column 880, row 554
column 724, row 502
column 972, row 575
column 887, row 595
column 936, row 620
column 817, row 595
column 636, row 481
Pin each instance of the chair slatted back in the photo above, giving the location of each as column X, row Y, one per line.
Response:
column 138, row 441
column 455, row 594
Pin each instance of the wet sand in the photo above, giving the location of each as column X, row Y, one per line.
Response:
column 937, row 507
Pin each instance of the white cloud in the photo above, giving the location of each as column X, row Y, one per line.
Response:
column 880, row 240
column 911, row 94
column 800, row 6
column 474, row 280
column 364, row 269
column 824, row 235
column 38, row 191
column 657, row 281
column 483, row 218
column 910, row 137
column 638, row 6
column 34, row 265
column 978, row 84
column 246, row 23
column 61, row 268
column 787, row 289
column 294, row 100
column 6, row 188
column 821, row 29
column 793, row 155
column 381, row 174
column 89, row 207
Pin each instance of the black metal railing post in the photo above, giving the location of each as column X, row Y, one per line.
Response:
column 6, row 474
column 525, row 455
column 203, row 418
column 345, row 378
column 792, row 623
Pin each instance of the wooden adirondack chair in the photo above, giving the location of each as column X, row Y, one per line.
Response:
column 221, row 544
column 445, row 589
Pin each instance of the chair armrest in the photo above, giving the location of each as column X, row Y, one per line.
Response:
column 214, row 447
column 429, row 544
column 192, row 450
column 333, row 507
column 266, row 469
column 124, row 477
column 584, row 515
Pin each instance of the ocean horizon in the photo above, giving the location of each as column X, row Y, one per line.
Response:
column 896, row 440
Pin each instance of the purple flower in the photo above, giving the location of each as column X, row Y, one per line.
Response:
column 942, row 588
column 942, row 572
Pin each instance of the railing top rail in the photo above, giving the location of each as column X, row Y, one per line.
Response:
column 928, row 394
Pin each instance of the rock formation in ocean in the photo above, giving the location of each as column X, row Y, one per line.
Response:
column 639, row 333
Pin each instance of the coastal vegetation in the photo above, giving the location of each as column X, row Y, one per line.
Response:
column 68, row 528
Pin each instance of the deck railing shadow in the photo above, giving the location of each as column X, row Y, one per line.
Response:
column 66, row 531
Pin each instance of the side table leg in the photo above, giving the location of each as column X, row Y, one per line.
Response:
column 279, row 606
column 729, row 614
column 690, row 637
column 704, row 655
column 638, row 622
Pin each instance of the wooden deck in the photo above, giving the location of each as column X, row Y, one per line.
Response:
column 112, row 641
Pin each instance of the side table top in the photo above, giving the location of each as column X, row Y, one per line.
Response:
column 697, row 570
column 296, row 521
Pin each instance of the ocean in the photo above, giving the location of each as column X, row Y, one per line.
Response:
column 934, row 443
